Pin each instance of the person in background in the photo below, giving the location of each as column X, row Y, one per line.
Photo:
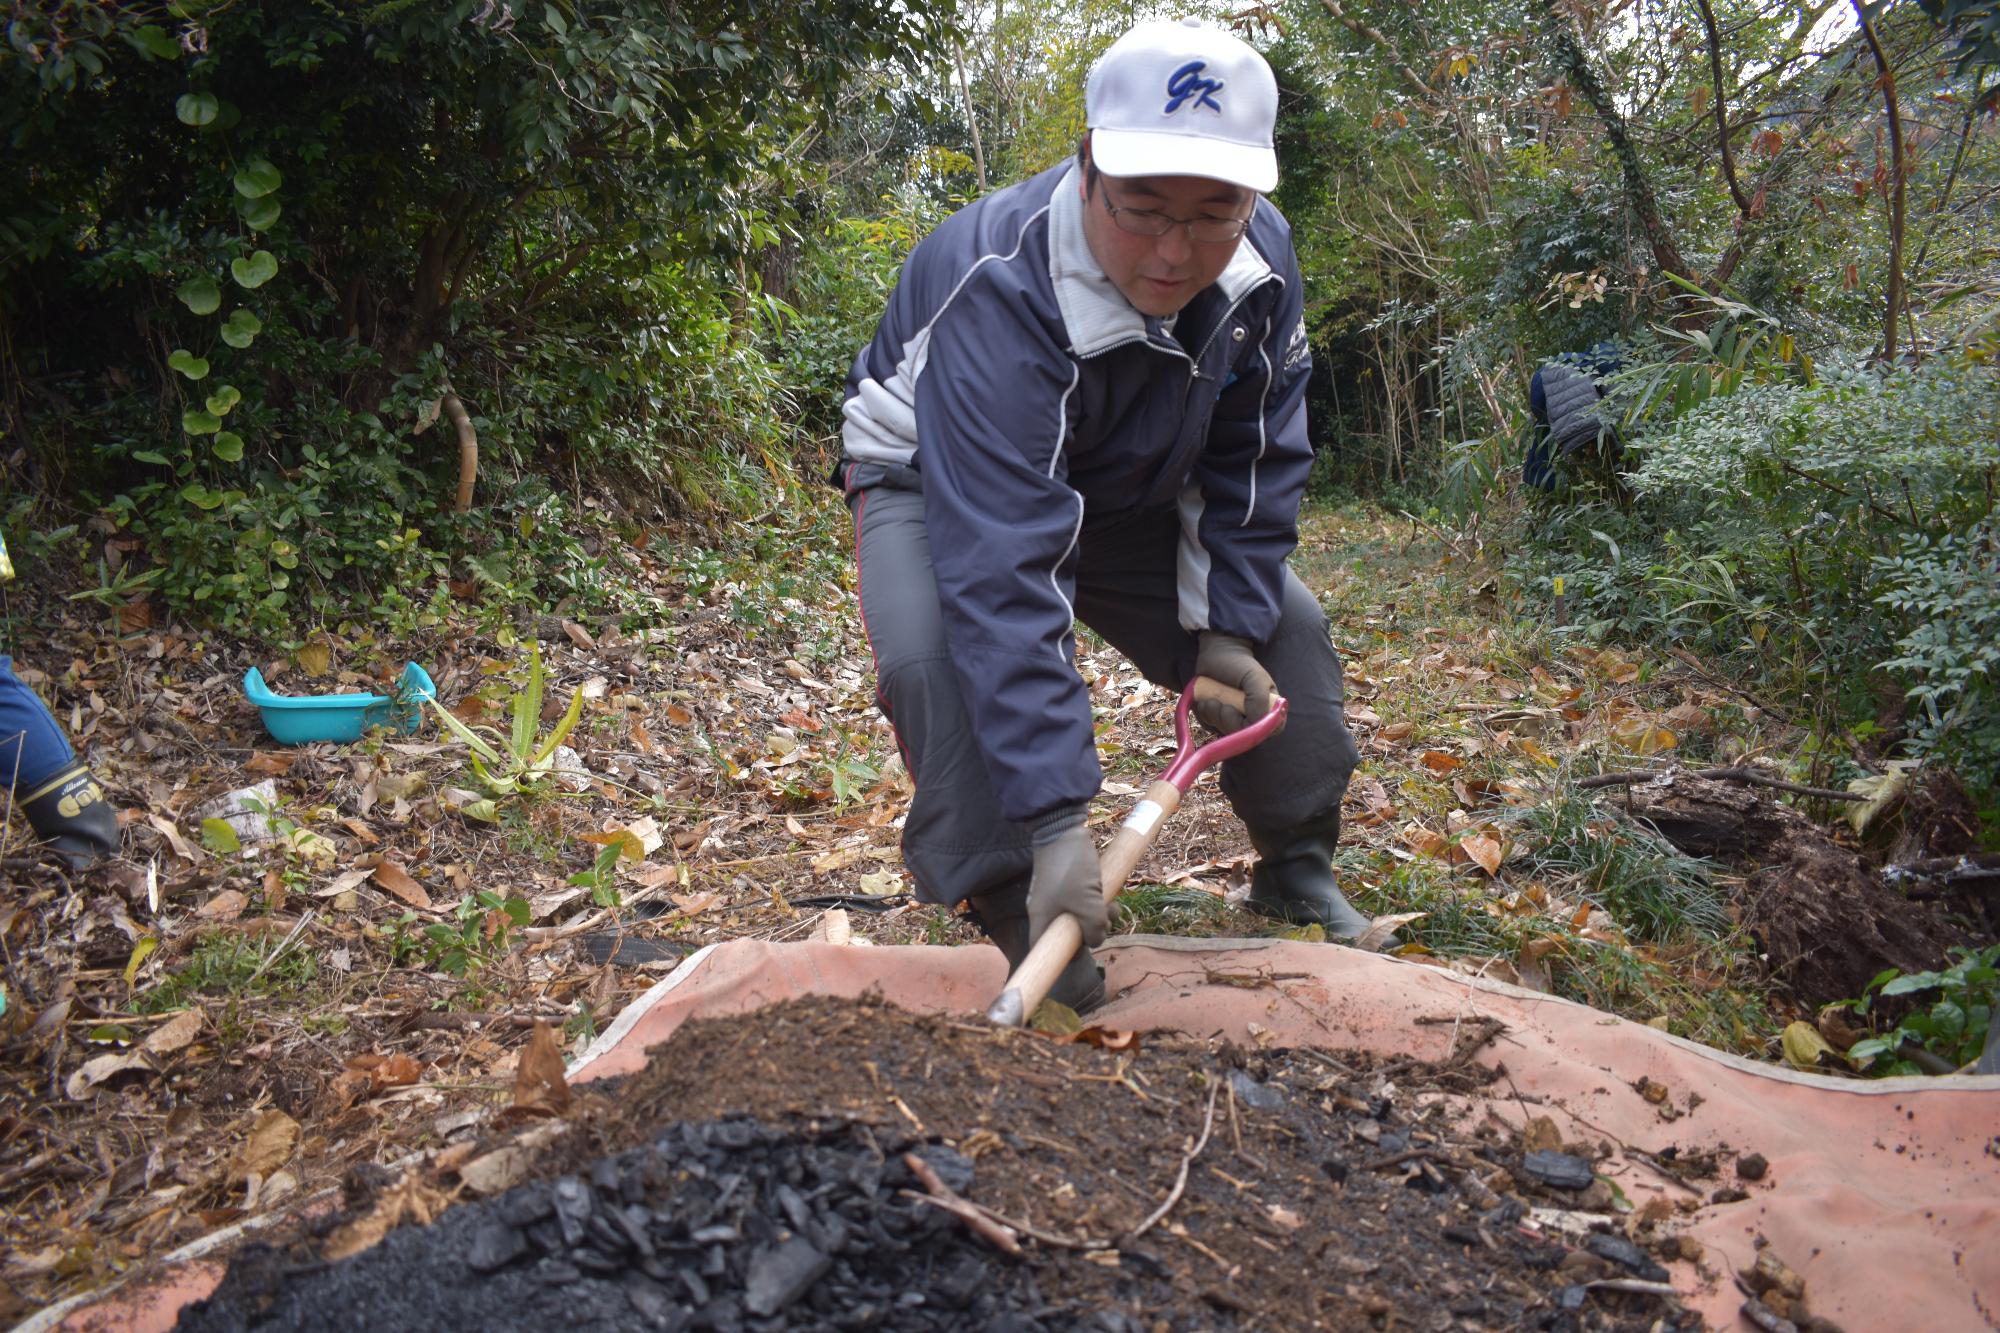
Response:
column 1086, row 402
column 43, row 778
column 1563, row 395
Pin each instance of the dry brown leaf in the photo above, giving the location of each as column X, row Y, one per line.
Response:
column 1428, row 841
column 1396, row 731
column 1486, row 851
column 314, row 658
column 694, row 904
column 272, row 1139
column 224, row 906
column 397, row 881
column 578, row 635
column 678, row 715
column 1439, row 762
column 175, row 1033
column 1541, row 1135
column 270, row 763
column 539, row 1085
column 1382, row 927
column 408, row 1200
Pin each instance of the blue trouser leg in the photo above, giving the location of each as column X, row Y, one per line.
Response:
column 33, row 748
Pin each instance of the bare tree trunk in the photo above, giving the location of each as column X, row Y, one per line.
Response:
column 1887, row 82
column 972, row 119
column 468, row 450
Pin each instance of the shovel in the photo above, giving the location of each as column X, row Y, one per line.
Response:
column 1029, row 985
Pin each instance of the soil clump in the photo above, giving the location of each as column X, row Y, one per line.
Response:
column 826, row 1164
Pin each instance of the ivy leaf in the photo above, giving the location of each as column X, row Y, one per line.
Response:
column 255, row 271
column 257, row 178
column 241, row 328
column 259, row 214
column 196, row 422
column 201, row 497
column 155, row 41
column 200, row 295
column 228, row 446
column 224, row 398
column 196, row 109
column 188, row 364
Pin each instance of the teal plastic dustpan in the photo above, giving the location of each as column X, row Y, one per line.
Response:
column 300, row 720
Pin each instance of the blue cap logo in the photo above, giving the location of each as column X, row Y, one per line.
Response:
column 1186, row 82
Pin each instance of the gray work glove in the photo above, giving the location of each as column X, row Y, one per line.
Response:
column 1228, row 660
column 1066, row 877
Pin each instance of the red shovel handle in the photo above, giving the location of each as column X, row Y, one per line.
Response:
column 1029, row 985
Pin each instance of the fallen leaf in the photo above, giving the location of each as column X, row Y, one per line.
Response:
column 174, row 1034
column 219, row 836
column 678, row 715
column 627, row 842
column 539, row 1085
column 1439, row 762
column 1486, row 851
column 314, row 658
column 270, row 763
column 1803, row 1045
column 837, row 859
column 224, row 906
column 578, row 635
column 396, row 880
column 1382, row 927
column 1396, row 731
column 98, row 1071
column 341, row 883
column 408, row 1200
column 1882, row 791
column 881, row 883
column 273, row 1136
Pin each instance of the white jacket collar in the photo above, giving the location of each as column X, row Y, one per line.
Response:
column 1094, row 311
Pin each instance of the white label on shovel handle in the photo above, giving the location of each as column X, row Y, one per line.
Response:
column 1145, row 817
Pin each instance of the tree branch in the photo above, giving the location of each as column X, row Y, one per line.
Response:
column 1721, row 108
column 1887, row 82
column 1373, row 34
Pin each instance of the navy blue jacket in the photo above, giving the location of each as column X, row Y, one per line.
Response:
column 1029, row 395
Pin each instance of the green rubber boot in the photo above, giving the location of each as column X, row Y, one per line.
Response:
column 1294, row 881
column 71, row 815
column 1003, row 915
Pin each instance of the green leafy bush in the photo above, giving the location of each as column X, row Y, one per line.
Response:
column 1952, row 1027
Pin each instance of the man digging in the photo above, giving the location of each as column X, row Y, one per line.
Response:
column 1085, row 402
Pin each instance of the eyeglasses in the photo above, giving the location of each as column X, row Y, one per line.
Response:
column 1150, row 222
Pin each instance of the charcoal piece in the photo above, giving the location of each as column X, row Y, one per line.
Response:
column 1573, row 1296
column 597, row 1261
column 555, row 1273
column 631, row 1221
column 604, row 1175
column 574, row 1206
column 697, row 1289
column 1460, row 1233
column 493, row 1246
column 1752, row 1166
column 1393, row 1142
column 734, row 1135
column 1558, row 1170
column 1336, row 1170
column 959, row 1282
column 606, row 1235
column 1504, row 1214
column 715, row 1262
column 632, row 1184
column 794, row 1207
column 780, row 1274
column 1257, row 1096
column 1625, row 1254
column 828, row 1232
column 716, row 1235
column 652, row 1304
column 724, row 1314
column 526, row 1206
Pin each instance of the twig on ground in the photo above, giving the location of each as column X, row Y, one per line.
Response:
column 1180, row 1181
column 1748, row 776
column 940, row 1195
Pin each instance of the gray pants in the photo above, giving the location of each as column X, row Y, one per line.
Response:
column 955, row 842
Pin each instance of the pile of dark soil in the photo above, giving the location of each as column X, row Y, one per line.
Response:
column 836, row 1165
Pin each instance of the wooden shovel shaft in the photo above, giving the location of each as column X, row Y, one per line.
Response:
column 1032, row 980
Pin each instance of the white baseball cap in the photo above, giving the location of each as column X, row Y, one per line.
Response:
column 1183, row 98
